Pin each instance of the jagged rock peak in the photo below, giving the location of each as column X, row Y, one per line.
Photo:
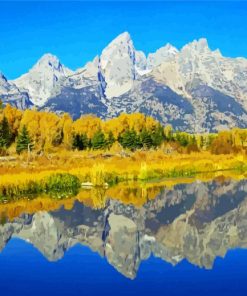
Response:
column 120, row 45
column 200, row 45
column 50, row 60
column 121, row 38
column 43, row 80
column 163, row 54
column 170, row 48
column 117, row 66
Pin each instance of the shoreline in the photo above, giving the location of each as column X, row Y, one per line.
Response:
column 64, row 176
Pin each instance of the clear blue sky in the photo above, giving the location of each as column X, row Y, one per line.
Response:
column 77, row 31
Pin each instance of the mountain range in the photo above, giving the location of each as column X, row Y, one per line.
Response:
column 194, row 89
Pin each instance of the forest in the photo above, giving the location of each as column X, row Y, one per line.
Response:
column 44, row 133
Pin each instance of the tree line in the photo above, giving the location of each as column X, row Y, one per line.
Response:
column 44, row 131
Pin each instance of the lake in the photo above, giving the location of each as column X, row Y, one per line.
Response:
column 190, row 239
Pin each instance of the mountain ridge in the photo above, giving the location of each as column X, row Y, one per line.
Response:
column 123, row 79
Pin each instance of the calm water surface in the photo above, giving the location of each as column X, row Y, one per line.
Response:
column 189, row 240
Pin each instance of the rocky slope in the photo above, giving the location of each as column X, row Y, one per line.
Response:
column 9, row 93
column 194, row 89
column 197, row 222
column 44, row 80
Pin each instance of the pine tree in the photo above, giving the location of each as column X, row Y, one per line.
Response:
column 146, row 139
column 23, row 141
column 110, row 139
column 5, row 133
column 182, row 139
column 202, row 142
column 193, row 140
column 158, row 136
column 77, row 142
column 98, row 141
column 80, row 142
column 129, row 139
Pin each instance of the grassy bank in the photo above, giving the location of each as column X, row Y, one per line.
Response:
column 57, row 185
column 61, row 175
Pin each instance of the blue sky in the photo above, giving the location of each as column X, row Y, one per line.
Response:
column 77, row 31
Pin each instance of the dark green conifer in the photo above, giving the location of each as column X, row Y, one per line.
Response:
column 110, row 139
column 5, row 133
column 98, row 141
column 146, row 139
column 158, row 136
column 80, row 142
column 129, row 139
column 24, row 142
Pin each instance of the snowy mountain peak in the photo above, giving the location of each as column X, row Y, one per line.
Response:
column 117, row 65
column 43, row 80
column 163, row 54
column 118, row 47
column 122, row 38
column 49, row 63
column 170, row 48
column 49, row 60
column 200, row 46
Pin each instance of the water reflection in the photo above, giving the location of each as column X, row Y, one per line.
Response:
column 197, row 221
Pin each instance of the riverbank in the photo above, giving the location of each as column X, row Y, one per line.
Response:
column 61, row 174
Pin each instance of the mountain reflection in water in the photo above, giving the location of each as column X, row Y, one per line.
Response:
column 197, row 222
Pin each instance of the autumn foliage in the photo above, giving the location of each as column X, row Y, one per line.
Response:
column 46, row 132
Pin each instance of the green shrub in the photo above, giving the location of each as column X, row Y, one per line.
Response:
column 62, row 185
column 56, row 185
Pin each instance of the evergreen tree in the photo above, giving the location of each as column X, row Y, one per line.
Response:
column 110, row 139
column 202, row 142
column 129, row 139
column 76, row 144
column 182, row 139
column 193, row 140
column 158, row 136
column 146, row 139
column 98, row 141
column 5, row 133
column 80, row 142
column 23, row 141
